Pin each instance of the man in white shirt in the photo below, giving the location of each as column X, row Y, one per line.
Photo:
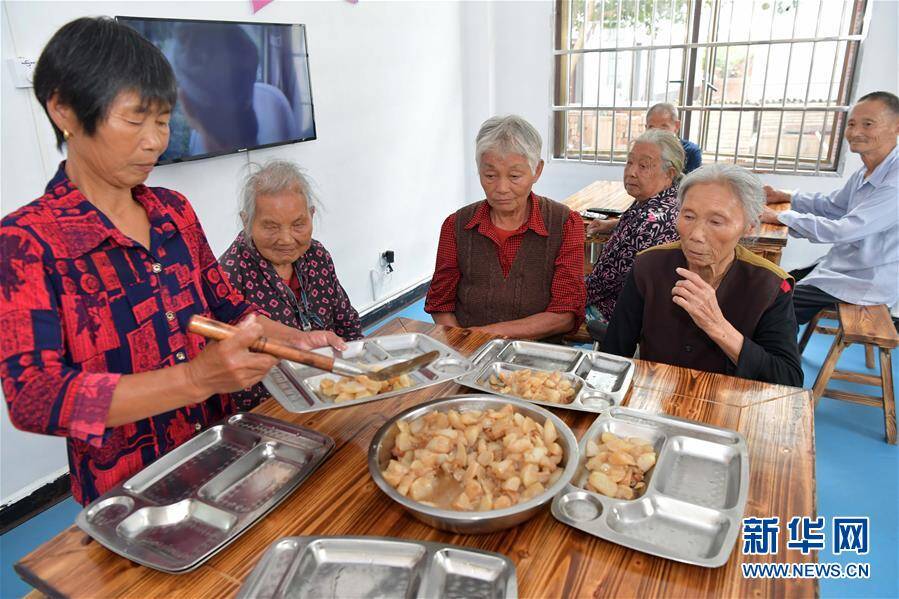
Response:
column 861, row 220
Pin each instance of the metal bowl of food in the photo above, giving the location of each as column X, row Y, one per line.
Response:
column 522, row 446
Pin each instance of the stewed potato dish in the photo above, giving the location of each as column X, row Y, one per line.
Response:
column 474, row 460
column 618, row 466
column 538, row 385
column 358, row 387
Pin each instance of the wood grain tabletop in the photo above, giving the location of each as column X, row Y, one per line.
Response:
column 611, row 195
column 552, row 559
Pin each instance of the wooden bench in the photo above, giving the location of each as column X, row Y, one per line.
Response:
column 873, row 327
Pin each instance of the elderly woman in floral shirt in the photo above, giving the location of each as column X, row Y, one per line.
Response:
column 277, row 264
column 653, row 170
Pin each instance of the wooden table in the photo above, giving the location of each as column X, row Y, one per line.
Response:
column 611, row 195
column 552, row 560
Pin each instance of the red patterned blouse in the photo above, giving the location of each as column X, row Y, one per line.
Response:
column 81, row 304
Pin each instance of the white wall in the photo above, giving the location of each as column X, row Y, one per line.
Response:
column 389, row 91
column 521, row 65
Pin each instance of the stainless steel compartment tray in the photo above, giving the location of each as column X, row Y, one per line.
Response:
column 602, row 380
column 296, row 386
column 694, row 499
column 189, row 504
column 362, row 567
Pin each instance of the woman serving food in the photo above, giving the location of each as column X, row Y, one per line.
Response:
column 101, row 275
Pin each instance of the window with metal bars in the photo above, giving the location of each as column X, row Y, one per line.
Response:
column 762, row 83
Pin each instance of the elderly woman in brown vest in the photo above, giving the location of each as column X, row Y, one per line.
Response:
column 510, row 264
column 705, row 302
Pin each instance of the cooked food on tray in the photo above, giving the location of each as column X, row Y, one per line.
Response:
column 474, row 460
column 539, row 385
column 618, row 466
column 357, row 387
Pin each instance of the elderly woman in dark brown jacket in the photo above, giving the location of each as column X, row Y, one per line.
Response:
column 705, row 302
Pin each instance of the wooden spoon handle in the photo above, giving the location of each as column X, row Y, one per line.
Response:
column 213, row 329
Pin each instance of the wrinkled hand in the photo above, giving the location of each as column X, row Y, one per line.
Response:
column 229, row 365
column 769, row 216
column 699, row 300
column 316, row 339
column 599, row 226
column 773, row 196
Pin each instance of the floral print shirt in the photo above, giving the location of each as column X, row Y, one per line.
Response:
column 81, row 305
column 642, row 226
column 322, row 303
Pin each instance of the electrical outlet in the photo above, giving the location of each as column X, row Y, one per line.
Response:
column 382, row 276
column 22, row 71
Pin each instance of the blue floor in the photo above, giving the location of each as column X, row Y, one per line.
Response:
column 857, row 475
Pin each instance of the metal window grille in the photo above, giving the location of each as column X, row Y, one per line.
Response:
column 762, row 83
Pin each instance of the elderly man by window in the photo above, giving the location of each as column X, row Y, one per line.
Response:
column 511, row 264
column 666, row 116
column 861, row 219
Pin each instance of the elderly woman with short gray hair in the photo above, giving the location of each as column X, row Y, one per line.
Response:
column 651, row 175
column 511, row 264
column 705, row 302
column 278, row 266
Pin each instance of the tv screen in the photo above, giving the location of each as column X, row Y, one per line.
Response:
column 240, row 85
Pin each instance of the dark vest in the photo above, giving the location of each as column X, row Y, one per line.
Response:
column 483, row 295
column 670, row 336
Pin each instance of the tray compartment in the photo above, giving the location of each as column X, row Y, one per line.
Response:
column 109, row 511
column 700, row 472
column 185, row 530
column 611, row 375
column 621, row 428
column 296, row 387
column 357, row 568
column 277, row 429
column 176, row 475
column 681, row 529
column 313, row 384
column 602, row 372
column 498, row 368
column 405, row 347
column 340, row 567
column 540, row 356
column 217, row 485
column 366, row 352
column 464, row 574
column 255, row 478
column 580, row 506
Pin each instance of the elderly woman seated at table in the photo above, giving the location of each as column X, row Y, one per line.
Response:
column 653, row 169
column 511, row 264
column 276, row 264
column 705, row 302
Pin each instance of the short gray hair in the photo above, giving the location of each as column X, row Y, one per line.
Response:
column 670, row 148
column 744, row 184
column 669, row 109
column 509, row 135
column 274, row 177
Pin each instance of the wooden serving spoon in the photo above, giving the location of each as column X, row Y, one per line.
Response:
column 219, row 331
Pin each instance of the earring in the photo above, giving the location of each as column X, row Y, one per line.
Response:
column 66, row 135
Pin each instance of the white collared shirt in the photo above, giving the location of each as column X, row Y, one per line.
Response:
column 861, row 220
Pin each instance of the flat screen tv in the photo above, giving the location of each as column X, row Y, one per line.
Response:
column 241, row 86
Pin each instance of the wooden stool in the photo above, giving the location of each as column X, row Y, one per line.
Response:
column 872, row 326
